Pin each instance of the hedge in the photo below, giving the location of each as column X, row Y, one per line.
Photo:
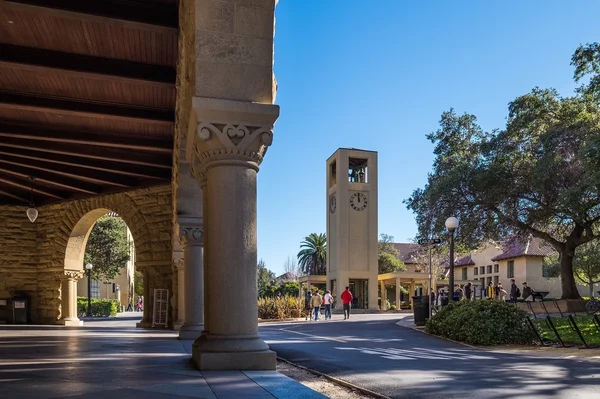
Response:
column 481, row 323
column 284, row 307
column 100, row 307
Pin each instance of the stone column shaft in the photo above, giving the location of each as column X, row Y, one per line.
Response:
column 228, row 145
column 146, row 321
column 398, row 292
column 69, row 299
column 192, row 242
column 180, row 297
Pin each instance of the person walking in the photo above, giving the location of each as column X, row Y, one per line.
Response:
column 346, row 300
column 468, row 291
column 515, row 292
column 491, row 291
column 315, row 303
column 528, row 293
column 328, row 301
column 501, row 292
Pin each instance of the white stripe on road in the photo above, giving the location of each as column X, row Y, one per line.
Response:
column 314, row 336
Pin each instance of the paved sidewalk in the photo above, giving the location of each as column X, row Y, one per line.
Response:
column 111, row 358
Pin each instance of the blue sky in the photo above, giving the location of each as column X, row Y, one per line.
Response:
column 378, row 74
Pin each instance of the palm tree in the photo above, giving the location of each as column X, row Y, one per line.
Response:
column 312, row 257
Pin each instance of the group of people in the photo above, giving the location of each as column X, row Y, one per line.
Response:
column 314, row 302
column 493, row 292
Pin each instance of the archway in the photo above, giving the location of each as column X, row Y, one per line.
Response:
column 116, row 290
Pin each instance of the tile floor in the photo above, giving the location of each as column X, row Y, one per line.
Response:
column 113, row 359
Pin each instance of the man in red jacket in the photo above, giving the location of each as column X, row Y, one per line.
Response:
column 346, row 300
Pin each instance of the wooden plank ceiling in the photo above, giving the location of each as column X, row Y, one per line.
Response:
column 87, row 97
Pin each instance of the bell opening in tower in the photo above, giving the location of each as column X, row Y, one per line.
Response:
column 357, row 170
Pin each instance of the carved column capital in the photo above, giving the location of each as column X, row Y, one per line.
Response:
column 191, row 235
column 228, row 132
column 73, row 274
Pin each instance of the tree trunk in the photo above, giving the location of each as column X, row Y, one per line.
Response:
column 591, row 289
column 569, row 288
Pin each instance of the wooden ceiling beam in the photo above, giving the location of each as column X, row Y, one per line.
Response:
column 49, row 159
column 50, row 178
column 26, row 185
column 138, row 15
column 123, row 157
column 96, row 176
column 10, row 195
column 61, row 106
column 37, row 60
column 40, row 133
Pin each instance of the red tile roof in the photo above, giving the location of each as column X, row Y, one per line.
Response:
column 464, row 261
column 407, row 252
column 531, row 246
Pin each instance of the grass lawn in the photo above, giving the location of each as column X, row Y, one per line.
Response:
column 567, row 334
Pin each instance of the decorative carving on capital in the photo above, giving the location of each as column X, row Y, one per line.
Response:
column 240, row 142
column 73, row 274
column 191, row 235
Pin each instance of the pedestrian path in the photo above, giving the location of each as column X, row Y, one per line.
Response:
column 111, row 358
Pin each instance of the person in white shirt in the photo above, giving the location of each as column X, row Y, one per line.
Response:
column 328, row 301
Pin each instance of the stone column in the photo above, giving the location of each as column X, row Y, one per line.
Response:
column 383, row 296
column 191, row 237
column 180, row 295
column 146, row 321
column 398, row 290
column 411, row 293
column 69, row 298
column 230, row 140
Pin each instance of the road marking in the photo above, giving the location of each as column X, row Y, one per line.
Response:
column 313, row 336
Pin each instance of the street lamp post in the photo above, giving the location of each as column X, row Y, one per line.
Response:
column 430, row 243
column 451, row 225
column 89, row 267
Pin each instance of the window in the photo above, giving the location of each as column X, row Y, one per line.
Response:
column 95, row 289
column 475, row 271
column 496, row 279
column 332, row 174
column 482, row 270
column 496, row 268
column 464, row 273
column 489, row 269
column 510, row 269
column 357, row 170
column 489, row 280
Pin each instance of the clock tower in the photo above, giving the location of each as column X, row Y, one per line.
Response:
column 352, row 225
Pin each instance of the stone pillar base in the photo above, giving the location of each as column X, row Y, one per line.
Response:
column 211, row 352
column 178, row 324
column 190, row 332
column 263, row 360
column 143, row 324
column 71, row 323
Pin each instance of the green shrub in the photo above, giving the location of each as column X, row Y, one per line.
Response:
column 392, row 307
column 284, row 307
column 481, row 323
column 100, row 307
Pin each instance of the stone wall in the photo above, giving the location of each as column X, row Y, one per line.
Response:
column 33, row 256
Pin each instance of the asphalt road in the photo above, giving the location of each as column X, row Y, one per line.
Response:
column 371, row 351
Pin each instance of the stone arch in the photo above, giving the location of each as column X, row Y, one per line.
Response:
column 62, row 232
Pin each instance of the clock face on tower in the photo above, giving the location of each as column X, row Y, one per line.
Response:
column 332, row 204
column 358, row 201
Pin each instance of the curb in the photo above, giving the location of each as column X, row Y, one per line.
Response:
column 336, row 380
column 422, row 330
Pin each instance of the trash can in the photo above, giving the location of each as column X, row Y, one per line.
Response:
column 20, row 310
column 420, row 309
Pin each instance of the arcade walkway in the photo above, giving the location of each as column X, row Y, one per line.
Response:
column 111, row 358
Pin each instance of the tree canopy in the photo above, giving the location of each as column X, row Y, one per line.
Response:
column 539, row 175
column 587, row 265
column 312, row 257
column 107, row 248
column 387, row 255
column 264, row 278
